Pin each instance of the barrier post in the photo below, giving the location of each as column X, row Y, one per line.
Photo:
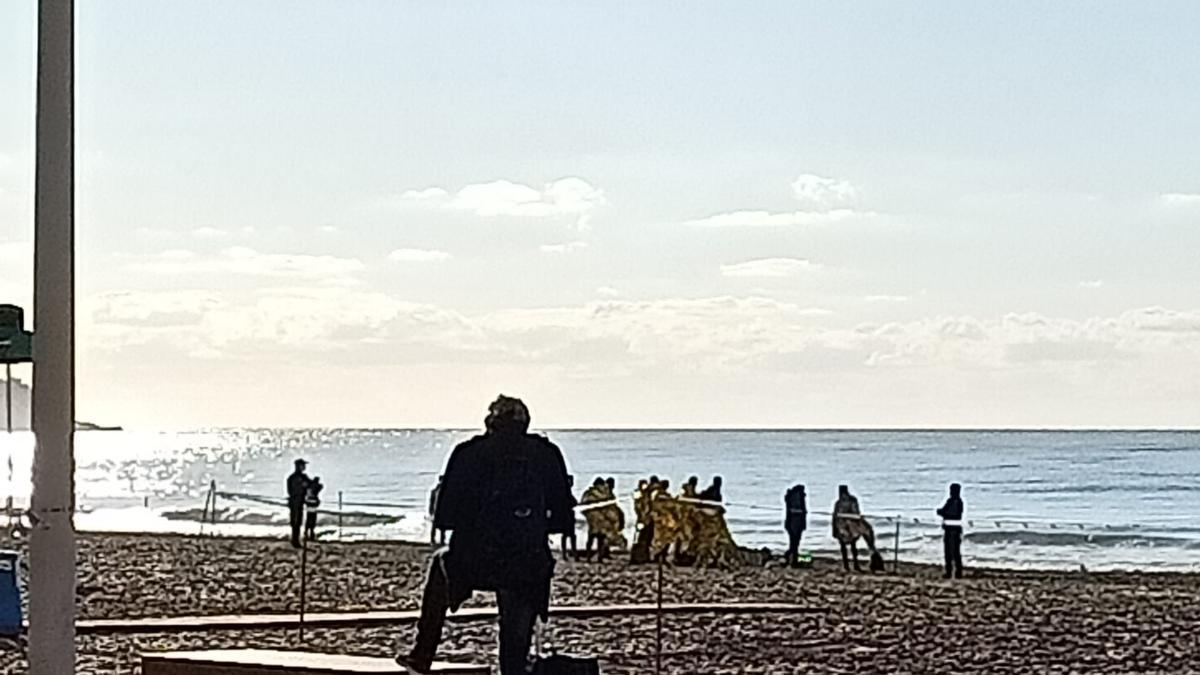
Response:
column 658, row 622
column 303, row 586
column 204, row 515
column 339, row 515
column 896, row 549
column 212, row 488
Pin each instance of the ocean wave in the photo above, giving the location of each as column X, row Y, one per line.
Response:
column 1097, row 539
column 275, row 518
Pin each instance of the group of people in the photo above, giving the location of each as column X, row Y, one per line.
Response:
column 303, row 495
column 849, row 525
column 506, row 491
column 687, row 529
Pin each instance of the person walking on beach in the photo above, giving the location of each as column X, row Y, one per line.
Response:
column 297, row 490
column 504, row 493
column 312, row 500
column 795, row 521
column 952, row 531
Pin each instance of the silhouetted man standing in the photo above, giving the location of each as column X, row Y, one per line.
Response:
column 795, row 521
column 297, row 490
column 504, row 492
column 952, row 531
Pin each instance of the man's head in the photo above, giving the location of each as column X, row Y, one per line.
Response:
column 612, row 483
column 955, row 490
column 507, row 415
column 598, row 482
column 694, row 481
column 717, row 481
column 843, row 490
column 301, row 465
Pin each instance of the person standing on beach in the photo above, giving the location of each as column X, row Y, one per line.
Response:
column 504, row 493
column 952, row 531
column 312, row 501
column 297, row 490
column 435, row 534
column 848, row 526
column 570, row 536
column 712, row 493
column 795, row 521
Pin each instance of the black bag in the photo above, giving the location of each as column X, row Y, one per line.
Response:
column 560, row 664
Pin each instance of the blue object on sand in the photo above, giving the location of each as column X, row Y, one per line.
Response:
column 10, row 594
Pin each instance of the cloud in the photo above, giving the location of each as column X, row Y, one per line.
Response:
column 770, row 267
column 820, row 193
column 329, row 229
column 243, row 261
column 209, row 233
column 568, row 247
column 565, row 197
column 1093, row 283
column 822, row 201
column 783, row 219
column 418, row 255
column 1180, row 199
column 886, row 298
column 608, row 292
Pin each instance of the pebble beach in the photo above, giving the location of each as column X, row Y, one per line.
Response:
column 994, row 621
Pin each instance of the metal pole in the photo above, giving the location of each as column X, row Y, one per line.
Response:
column 896, row 550
column 303, row 585
column 658, row 622
column 8, row 501
column 339, row 515
column 52, row 505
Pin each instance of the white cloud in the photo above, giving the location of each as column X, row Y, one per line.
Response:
column 209, row 233
column 770, row 267
column 417, row 255
column 565, row 197
column 1180, row 199
column 783, row 219
column 243, row 261
column 567, row 247
column 608, row 292
column 1092, row 283
column 328, row 229
column 820, row 193
column 886, row 298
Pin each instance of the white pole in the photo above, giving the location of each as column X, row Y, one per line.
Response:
column 52, row 542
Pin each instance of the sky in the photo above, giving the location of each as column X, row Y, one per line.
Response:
column 769, row 214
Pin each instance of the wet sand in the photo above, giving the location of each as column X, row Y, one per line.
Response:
column 994, row 621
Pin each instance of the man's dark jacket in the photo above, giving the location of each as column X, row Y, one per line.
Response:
column 468, row 477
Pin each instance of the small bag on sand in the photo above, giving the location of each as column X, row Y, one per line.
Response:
column 562, row 664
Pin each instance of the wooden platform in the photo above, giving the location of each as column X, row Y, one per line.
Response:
column 271, row 662
column 178, row 624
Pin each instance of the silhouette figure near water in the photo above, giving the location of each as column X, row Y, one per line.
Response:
column 952, row 531
column 297, row 490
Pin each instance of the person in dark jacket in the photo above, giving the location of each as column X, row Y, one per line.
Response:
column 503, row 494
column 952, row 531
column 435, row 535
column 712, row 493
column 297, row 490
column 312, row 501
column 795, row 521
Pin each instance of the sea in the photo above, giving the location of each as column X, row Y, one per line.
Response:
column 1034, row 499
